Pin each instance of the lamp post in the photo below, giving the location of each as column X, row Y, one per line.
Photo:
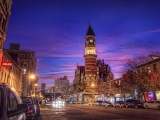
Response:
column 31, row 77
column 92, row 85
column 35, row 89
column 55, row 93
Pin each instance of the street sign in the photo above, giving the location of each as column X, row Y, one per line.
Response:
column 7, row 64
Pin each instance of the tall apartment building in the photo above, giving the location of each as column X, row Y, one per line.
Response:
column 10, row 72
column 62, row 85
column 5, row 11
column 43, row 88
column 27, row 62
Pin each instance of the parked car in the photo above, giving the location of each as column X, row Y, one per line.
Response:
column 119, row 104
column 32, row 113
column 98, row 102
column 43, row 101
column 11, row 106
column 36, row 101
column 107, row 104
column 152, row 104
column 72, row 102
column 133, row 103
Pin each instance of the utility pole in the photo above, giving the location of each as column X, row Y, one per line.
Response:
column 55, row 93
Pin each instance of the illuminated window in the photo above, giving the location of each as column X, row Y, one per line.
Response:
column 24, row 71
column 148, row 69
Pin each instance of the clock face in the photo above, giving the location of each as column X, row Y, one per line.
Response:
column 91, row 41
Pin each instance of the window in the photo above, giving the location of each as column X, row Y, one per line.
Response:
column 3, row 1
column 1, row 101
column 149, row 69
column 12, row 102
column 143, row 70
column 2, row 76
column 27, row 100
column 24, row 71
column 1, row 18
column 155, row 68
column 138, row 71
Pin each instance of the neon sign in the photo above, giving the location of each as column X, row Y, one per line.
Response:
column 7, row 64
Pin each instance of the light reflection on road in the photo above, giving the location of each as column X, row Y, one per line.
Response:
column 58, row 104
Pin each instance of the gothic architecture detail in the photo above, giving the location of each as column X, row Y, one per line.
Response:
column 90, row 57
column 93, row 74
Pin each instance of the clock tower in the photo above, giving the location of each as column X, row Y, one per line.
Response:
column 90, row 57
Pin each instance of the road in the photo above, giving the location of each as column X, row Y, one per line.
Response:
column 86, row 112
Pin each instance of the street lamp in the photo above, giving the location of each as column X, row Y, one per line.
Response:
column 92, row 97
column 35, row 88
column 31, row 77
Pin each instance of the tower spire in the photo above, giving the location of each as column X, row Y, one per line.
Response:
column 90, row 30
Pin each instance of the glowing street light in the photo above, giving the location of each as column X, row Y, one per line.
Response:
column 35, row 88
column 32, row 76
column 92, row 97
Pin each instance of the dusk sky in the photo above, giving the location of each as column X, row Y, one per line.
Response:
column 55, row 30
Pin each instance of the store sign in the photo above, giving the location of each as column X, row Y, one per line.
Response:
column 7, row 64
column 117, row 95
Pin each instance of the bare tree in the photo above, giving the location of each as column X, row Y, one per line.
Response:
column 130, row 64
column 156, row 53
column 127, row 84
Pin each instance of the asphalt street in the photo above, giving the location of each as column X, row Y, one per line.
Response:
column 86, row 112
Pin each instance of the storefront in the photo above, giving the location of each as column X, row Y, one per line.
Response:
column 119, row 97
column 150, row 96
column 157, row 95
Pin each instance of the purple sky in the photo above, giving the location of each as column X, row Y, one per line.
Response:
column 55, row 30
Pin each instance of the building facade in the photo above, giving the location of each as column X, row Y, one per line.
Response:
column 79, row 74
column 27, row 61
column 62, row 86
column 43, row 88
column 90, row 57
column 11, row 73
column 94, row 75
column 152, row 66
column 5, row 11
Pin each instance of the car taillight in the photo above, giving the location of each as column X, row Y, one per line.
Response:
column 30, row 111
